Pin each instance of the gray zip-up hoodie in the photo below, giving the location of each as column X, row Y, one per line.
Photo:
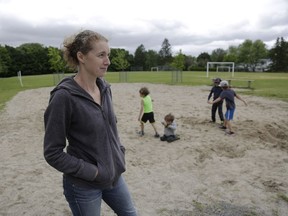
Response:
column 170, row 129
column 90, row 130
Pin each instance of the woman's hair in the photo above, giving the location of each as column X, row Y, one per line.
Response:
column 144, row 91
column 169, row 117
column 81, row 42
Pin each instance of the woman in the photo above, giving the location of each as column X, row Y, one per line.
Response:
column 80, row 110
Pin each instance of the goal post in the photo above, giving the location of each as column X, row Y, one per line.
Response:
column 223, row 64
column 19, row 75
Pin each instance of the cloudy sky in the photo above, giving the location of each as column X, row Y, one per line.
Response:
column 194, row 26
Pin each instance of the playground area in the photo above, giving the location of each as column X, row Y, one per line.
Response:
column 204, row 173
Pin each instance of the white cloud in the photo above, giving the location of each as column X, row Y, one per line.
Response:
column 192, row 26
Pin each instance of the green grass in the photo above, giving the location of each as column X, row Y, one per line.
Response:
column 283, row 197
column 272, row 85
column 11, row 86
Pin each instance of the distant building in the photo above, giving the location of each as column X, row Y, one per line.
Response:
column 264, row 65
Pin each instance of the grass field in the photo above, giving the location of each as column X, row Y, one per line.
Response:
column 273, row 85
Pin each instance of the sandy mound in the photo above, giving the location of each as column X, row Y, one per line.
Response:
column 204, row 173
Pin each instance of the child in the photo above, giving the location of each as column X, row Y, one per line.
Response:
column 228, row 94
column 146, row 111
column 169, row 129
column 216, row 91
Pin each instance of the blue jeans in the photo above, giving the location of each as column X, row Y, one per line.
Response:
column 87, row 201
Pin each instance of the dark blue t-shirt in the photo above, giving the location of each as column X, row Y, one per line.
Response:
column 215, row 91
column 228, row 95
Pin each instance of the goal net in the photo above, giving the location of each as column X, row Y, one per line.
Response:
column 227, row 65
column 223, row 68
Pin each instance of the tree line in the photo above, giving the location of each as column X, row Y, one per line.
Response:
column 34, row 58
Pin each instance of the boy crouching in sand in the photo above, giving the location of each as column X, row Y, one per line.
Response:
column 169, row 129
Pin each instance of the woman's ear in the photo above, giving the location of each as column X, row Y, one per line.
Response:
column 81, row 57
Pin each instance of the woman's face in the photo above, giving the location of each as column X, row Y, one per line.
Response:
column 96, row 61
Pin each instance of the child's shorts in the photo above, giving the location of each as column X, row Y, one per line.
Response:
column 229, row 114
column 148, row 117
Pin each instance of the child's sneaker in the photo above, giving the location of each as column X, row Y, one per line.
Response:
column 156, row 135
column 230, row 133
column 223, row 127
column 140, row 133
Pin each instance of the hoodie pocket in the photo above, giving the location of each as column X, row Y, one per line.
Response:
column 103, row 175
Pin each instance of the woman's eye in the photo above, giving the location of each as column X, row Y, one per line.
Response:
column 102, row 55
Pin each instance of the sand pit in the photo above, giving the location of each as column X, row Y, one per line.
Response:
column 204, row 173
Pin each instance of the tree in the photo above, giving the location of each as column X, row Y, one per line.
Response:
column 179, row 61
column 55, row 59
column 218, row 55
column 140, row 57
column 245, row 53
column 190, row 62
column 151, row 59
column 165, row 53
column 5, row 61
column 258, row 52
column 250, row 53
column 231, row 54
column 33, row 59
column 279, row 55
column 16, row 60
column 202, row 59
column 119, row 60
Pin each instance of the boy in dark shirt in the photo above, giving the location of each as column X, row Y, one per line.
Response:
column 216, row 91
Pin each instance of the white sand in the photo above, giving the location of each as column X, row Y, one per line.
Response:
column 203, row 173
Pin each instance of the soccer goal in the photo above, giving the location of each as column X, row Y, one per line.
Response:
column 229, row 65
column 154, row 69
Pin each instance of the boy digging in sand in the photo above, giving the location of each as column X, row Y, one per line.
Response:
column 169, row 129
column 228, row 94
